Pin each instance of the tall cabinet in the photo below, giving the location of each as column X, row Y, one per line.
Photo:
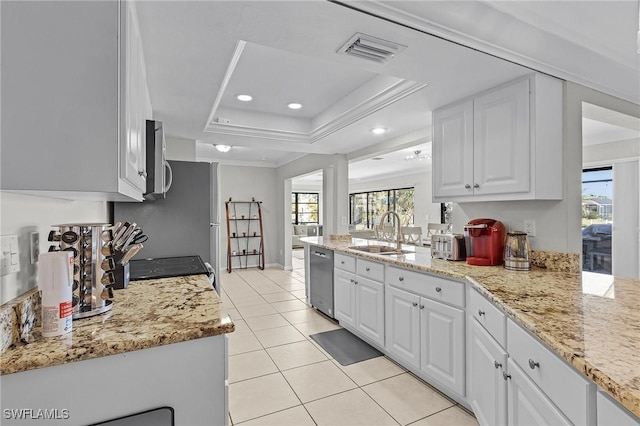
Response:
column 245, row 239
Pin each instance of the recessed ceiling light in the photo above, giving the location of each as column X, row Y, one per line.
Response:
column 244, row 98
column 223, row 148
column 378, row 130
column 294, row 105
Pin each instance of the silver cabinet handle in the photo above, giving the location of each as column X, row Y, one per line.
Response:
column 480, row 312
column 496, row 364
column 142, row 173
column 352, row 280
column 342, row 262
column 438, row 289
column 400, row 278
column 505, row 375
column 533, row 364
column 467, row 186
column 421, row 306
column 355, row 282
column 367, row 269
column 475, row 185
column 415, row 304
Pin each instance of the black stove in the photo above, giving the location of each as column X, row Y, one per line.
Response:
column 166, row 267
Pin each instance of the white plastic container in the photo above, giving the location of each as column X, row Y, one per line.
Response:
column 55, row 281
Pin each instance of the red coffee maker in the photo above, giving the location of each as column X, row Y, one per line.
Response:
column 487, row 242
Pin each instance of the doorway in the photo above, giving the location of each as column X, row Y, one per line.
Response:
column 597, row 219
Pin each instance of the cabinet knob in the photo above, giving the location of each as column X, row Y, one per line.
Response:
column 352, row 280
column 475, row 185
column 480, row 312
column 342, row 262
column 467, row 186
column 421, row 306
column 415, row 304
column 355, row 282
column 533, row 364
column 505, row 375
column 367, row 269
column 438, row 289
column 142, row 173
column 496, row 364
column 400, row 278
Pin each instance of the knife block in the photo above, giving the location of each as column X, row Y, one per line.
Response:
column 121, row 272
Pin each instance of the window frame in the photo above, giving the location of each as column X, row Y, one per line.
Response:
column 295, row 211
column 391, row 194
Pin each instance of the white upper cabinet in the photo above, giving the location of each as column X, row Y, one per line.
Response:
column 502, row 144
column 74, row 100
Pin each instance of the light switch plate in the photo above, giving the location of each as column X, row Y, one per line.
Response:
column 10, row 261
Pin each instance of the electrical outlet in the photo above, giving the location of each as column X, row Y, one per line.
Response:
column 34, row 247
column 530, row 227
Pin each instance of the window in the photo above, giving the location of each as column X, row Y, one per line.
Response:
column 597, row 219
column 304, row 208
column 366, row 208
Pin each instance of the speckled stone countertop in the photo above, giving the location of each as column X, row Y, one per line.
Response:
column 144, row 315
column 591, row 320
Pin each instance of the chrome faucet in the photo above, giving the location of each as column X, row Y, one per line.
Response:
column 381, row 226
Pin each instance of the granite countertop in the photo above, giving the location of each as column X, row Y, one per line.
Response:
column 144, row 315
column 591, row 320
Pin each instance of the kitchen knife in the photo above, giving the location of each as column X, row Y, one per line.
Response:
column 131, row 238
column 131, row 251
column 121, row 230
column 123, row 238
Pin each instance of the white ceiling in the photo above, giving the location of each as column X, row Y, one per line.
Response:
column 200, row 54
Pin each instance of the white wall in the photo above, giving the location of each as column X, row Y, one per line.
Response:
column 23, row 214
column 241, row 184
column 626, row 219
column 424, row 210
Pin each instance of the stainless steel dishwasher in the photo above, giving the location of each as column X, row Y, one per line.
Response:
column 321, row 279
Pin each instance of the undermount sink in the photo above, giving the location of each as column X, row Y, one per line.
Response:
column 379, row 249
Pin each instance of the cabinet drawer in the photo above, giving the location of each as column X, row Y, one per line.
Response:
column 491, row 318
column 436, row 288
column 344, row 262
column 571, row 392
column 372, row 270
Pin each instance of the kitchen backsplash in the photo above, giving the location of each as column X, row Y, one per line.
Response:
column 24, row 214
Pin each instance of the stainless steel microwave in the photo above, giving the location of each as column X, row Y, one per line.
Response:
column 159, row 176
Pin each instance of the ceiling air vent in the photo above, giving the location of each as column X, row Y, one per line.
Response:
column 371, row 48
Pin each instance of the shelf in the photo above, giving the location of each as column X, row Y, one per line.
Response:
column 244, row 217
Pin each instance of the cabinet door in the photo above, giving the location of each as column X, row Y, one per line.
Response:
column 132, row 148
column 442, row 343
column 402, row 323
column 453, row 150
column 528, row 405
column 501, row 140
column 344, row 297
column 370, row 309
column 487, row 386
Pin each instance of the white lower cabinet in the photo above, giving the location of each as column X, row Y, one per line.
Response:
column 359, row 301
column 528, row 405
column 442, row 343
column 487, row 385
column 403, row 325
column 611, row 413
column 344, row 305
column 426, row 334
column 538, row 388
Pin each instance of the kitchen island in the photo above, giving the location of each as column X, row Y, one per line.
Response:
column 591, row 321
column 162, row 344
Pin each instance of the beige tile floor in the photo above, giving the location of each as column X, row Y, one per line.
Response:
column 279, row 376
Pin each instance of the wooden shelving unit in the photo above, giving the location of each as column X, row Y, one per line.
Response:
column 245, row 238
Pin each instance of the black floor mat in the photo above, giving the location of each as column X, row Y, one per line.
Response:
column 344, row 347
